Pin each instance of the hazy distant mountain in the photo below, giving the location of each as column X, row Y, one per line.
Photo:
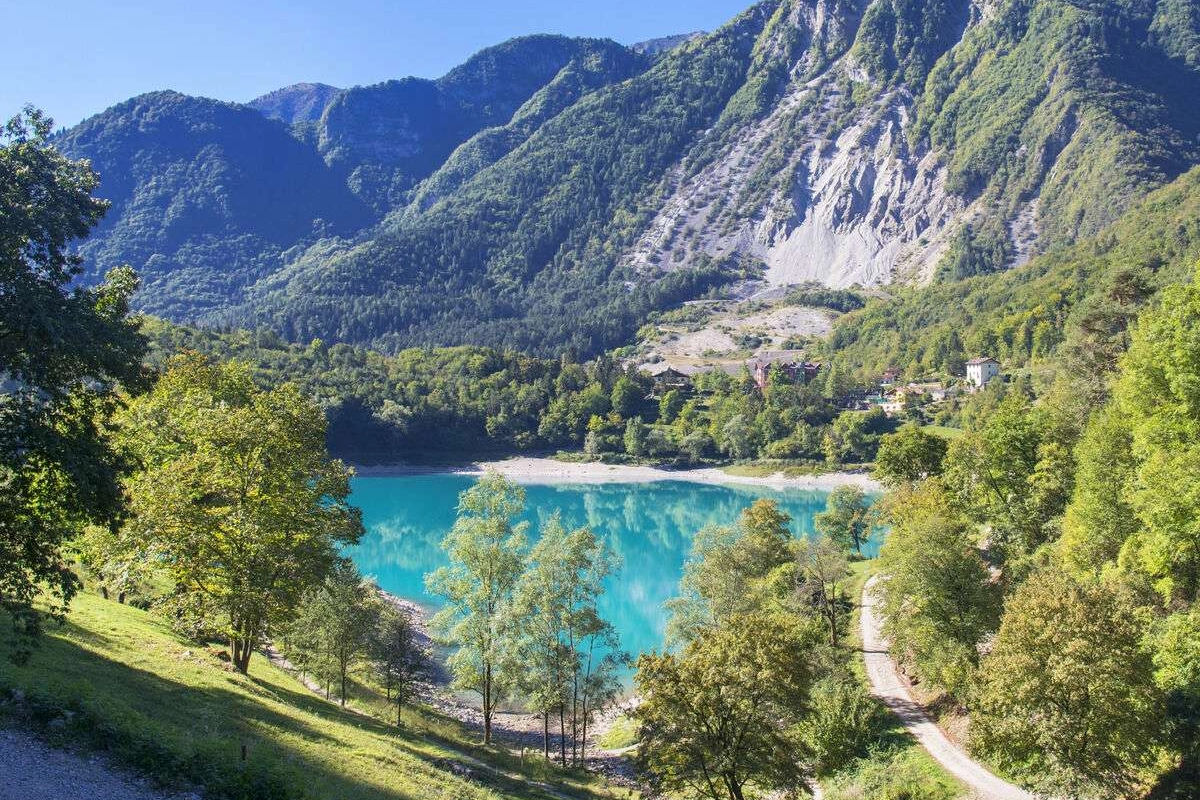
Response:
column 551, row 192
column 655, row 47
column 300, row 102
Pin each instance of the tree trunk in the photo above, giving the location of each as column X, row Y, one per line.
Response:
column 546, row 734
column 487, row 704
column 583, row 733
column 342, row 673
column 562, row 732
column 575, row 718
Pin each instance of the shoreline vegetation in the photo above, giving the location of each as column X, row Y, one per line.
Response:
column 538, row 470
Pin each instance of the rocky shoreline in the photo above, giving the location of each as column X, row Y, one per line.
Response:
column 515, row 729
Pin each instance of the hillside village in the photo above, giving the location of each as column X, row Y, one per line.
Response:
column 892, row 395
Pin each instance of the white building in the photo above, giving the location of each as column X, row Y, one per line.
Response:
column 982, row 370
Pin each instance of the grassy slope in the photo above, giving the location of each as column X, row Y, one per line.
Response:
column 116, row 678
column 897, row 766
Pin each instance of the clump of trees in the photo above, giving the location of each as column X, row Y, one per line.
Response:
column 476, row 399
column 346, row 624
column 525, row 621
column 758, row 696
column 1045, row 575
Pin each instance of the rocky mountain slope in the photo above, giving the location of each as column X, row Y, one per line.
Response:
column 300, row 102
column 551, row 192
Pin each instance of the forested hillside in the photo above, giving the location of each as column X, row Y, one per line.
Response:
column 1075, row 302
column 550, row 193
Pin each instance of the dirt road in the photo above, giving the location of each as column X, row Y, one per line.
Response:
column 887, row 685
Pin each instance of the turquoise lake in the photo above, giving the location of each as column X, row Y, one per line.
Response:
column 650, row 526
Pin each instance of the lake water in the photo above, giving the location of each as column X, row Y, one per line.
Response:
column 650, row 526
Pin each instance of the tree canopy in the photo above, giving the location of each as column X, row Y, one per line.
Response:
column 64, row 351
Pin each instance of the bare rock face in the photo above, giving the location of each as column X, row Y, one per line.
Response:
column 864, row 208
column 824, row 187
column 814, row 192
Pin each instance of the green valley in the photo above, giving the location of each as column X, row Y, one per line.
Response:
column 808, row 407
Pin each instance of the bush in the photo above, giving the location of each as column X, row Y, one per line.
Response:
column 841, row 724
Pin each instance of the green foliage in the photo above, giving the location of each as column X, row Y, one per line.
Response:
column 566, row 654
column 235, row 498
column 854, row 436
column 334, row 626
column 1099, row 519
column 63, row 352
column 936, row 594
column 1157, row 395
column 901, row 39
column 716, row 718
column 392, row 645
column 820, row 296
column 840, row 725
column 486, row 552
column 1014, row 472
column 822, row 575
column 729, row 571
column 909, row 455
column 1067, row 698
column 847, row 519
column 976, row 252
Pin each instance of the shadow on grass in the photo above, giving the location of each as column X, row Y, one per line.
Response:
column 193, row 735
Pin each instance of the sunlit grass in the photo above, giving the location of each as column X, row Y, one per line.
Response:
column 117, row 679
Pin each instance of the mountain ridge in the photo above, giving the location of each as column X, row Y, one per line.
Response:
column 549, row 181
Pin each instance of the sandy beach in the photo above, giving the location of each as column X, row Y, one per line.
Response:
column 524, row 469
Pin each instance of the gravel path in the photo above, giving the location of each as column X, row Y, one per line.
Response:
column 887, row 686
column 33, row 770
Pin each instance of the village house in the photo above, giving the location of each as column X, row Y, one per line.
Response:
column 785, row 362
column 981, row 370
column 667, row 377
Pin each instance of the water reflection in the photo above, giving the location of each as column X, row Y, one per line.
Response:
column 650, row 526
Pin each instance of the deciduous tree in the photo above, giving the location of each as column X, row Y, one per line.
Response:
column 936, row 593
column 63, row 352
column 486, row 548
column 236, row 498
column 728, row 570
column 1067, row 697
column 719, row 719
column 398, row 658
column 909, row 455
column 847, row 518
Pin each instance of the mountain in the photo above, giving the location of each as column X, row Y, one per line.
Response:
column 300, row 102
column 206, row 198
column 392, row 135
column 550, row 193
column 663, row 44
column 209, row 198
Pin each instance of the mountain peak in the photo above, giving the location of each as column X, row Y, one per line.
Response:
column 663, row 44
column 300, row 102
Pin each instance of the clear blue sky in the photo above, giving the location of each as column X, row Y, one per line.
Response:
column 74, row 58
